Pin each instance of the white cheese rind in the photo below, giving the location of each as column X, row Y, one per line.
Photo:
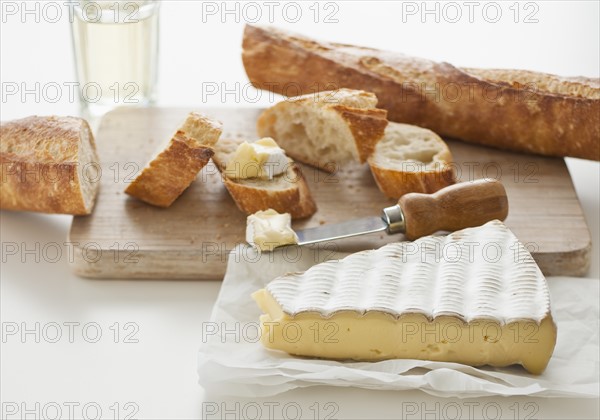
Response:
column 476, row 273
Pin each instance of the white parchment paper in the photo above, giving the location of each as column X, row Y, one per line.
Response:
column 233, row 362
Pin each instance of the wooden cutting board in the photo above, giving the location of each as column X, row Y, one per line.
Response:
column 125, row 238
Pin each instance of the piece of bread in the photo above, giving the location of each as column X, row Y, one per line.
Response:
column 168, row 175
column 286, row 193
column 326, row 129
column 510, row 109
column 49, row 165
column 411, row 159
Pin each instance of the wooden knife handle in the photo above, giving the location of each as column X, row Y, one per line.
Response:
column 456, row 207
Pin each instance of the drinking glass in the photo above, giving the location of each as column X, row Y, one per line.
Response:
column 116, row 53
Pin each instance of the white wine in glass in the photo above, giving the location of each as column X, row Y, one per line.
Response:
column 116, row 53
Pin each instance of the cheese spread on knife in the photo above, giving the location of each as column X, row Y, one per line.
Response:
column 475, row 297
column 267, row 230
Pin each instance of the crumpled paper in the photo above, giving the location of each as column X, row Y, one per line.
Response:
column 232, row 361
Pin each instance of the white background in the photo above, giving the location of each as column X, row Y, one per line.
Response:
column 158, row 374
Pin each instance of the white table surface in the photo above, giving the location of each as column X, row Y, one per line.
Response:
column 155, row 375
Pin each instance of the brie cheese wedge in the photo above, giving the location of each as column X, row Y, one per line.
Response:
column 475, row 297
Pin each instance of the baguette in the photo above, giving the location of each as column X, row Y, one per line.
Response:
column 509, row 109
column 411, row 159
column 286, row 193
column 326, row 129
column 49, row 165
column 173, row 170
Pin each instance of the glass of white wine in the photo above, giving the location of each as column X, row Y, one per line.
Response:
column 116, row 53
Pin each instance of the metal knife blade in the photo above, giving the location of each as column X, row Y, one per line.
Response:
column 458, row 206
column 341, row 230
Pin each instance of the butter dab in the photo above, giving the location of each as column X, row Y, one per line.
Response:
column 268, row 229
column 262, row 159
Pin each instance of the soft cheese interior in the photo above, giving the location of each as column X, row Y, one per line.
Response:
column 268, row 230
column 261, row 159
column 474, row 297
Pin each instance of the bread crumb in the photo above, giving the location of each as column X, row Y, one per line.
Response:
column 321, row 222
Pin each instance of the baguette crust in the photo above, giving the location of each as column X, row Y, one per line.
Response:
column 510, row 109
column 296, row 199
column 408, row 176
column 286, row 193
column 395, row 184
column 49, row 165
column 169, row 174
column 367, row 127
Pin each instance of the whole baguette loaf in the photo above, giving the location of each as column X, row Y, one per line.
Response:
column 510, row 109
column 48, row 165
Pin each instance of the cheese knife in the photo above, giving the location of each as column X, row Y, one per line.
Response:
column 459, row 206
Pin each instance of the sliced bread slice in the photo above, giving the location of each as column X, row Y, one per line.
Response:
column 326, row 129
column 284, row 193
column 168, row 175
column 411, row 159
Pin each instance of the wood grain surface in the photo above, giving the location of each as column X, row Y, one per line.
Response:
column 126, row 238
